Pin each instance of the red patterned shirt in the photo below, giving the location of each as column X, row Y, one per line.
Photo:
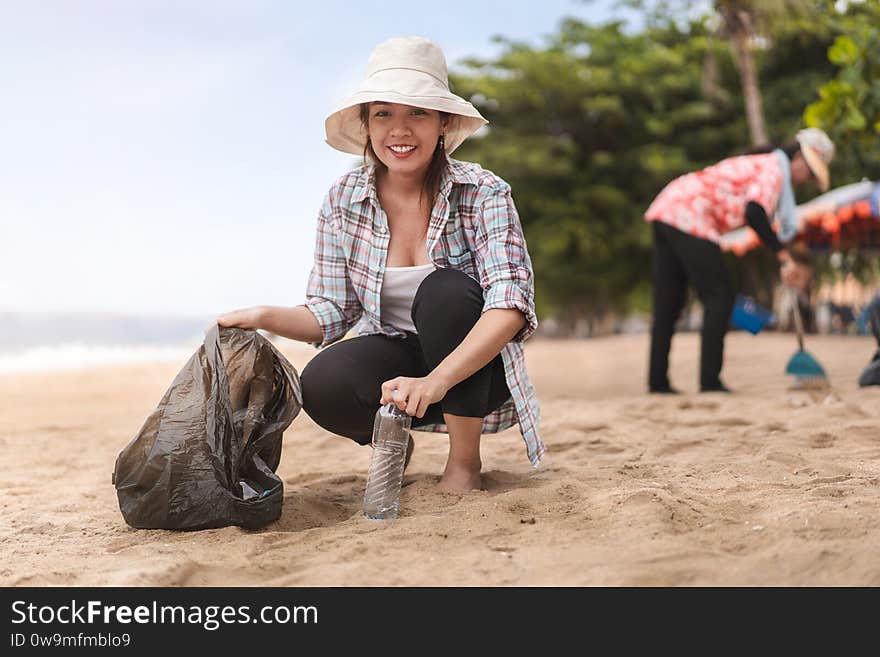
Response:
column 711, row 202
column 474, row 228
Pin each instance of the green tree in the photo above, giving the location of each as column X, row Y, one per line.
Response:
column 589, row 127
column 848, row 107
column 587, row 130
column 743, row 23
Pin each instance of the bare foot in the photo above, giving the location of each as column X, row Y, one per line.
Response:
column 459, row 479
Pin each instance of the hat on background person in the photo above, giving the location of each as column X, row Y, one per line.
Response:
column 818, row 151
column 409, row 71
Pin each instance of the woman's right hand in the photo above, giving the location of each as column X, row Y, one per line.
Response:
column 793, row 274
column 796, row 275
column 246, row 318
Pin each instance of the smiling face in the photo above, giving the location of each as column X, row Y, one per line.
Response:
column 404, row 137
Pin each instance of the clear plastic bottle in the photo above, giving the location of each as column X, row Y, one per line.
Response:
column 390, row 440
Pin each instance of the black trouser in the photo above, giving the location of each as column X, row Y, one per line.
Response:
column 679, row 258
column 342, row 384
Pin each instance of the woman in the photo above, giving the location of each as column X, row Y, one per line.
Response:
column 689, row 216
column 427, row 254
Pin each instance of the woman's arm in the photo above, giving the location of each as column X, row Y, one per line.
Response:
column 297, row 323
column 756, row 217
column 495, row 328
column 793, row 274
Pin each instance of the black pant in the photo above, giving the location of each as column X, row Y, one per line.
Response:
column 342, row 384
column 679, row 258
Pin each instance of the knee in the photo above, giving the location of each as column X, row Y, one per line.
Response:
column 318, row 381
column 326, row 390
column 448, row 294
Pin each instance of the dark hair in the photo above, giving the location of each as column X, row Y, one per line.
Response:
column 790, row 148
column 435, row 167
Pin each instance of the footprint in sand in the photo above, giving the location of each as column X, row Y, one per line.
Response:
column 720, row 422
column 599, row 446
column 786, row 459
column 559, row 448
column 699, row 405
column 126, row 542
column 822, row 440
column 675, row 448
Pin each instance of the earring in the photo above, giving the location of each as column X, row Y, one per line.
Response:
column 441, row 144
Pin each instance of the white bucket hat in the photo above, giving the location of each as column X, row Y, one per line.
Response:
column 409, row 71
column 818, row 151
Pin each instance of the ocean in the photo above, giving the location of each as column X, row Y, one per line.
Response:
column 45, row 342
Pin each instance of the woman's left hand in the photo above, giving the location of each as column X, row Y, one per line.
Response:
column 414, row 395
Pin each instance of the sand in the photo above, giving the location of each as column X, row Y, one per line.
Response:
column 761, row 487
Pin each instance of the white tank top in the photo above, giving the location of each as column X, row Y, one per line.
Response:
column 399, row 287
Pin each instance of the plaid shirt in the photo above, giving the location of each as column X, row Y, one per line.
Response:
column 474, row 228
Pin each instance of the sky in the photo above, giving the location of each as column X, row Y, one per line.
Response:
column 168, row 158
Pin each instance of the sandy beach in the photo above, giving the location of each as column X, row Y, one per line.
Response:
column 762, row 487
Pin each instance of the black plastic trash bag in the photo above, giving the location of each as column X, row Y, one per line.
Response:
column 871, row 374
column 207, row 455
